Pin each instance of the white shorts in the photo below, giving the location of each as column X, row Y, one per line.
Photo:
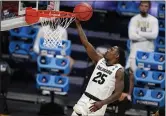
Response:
column 82, row 107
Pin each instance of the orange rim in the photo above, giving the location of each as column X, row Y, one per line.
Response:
column 33, row 15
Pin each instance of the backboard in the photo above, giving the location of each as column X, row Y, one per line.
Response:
column 13, row 12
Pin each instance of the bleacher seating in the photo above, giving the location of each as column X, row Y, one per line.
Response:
column 162, row 25
column 150, row 84
column 21, row 43
column 149, row 78
column 54, row 63
column 128, row 8
column 149, row 97
column 24, row 32
column 160, row 45
column 49, row 64
column 151, row 60
column 153, row 79
column 161, row 10
column 51, row 83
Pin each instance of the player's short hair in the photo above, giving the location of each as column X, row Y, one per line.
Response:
column 122, row 57
column 146, row 1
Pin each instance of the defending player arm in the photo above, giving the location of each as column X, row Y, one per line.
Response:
column 119, row 86
column 154, row 33
column 89, row 48
column 133, row 34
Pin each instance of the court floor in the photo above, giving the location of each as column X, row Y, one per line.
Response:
column 26, row 92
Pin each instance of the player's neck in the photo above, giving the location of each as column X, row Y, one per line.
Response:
column 110, row 63
column 144, row 15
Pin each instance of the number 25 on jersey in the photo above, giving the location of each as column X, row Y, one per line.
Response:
column 100, row 78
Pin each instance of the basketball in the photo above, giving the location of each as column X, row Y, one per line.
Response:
column 83, row 11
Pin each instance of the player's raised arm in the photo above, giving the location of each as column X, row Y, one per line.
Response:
column 119, row 86
column 88, row 46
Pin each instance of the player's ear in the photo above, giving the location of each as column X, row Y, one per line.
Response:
column 117, row 56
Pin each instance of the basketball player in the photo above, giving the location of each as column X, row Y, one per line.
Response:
column 143, row 30
column 106, row 82
column 101, row 50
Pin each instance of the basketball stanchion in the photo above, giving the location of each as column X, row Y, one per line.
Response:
column 5, row 73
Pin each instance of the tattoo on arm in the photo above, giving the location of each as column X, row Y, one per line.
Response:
column 119, row 86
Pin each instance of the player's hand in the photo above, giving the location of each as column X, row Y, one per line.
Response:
column 157, row 114
column 96, row 106
column 129, row 97
column 123, row 96
column 78, row 24
column 77, row 21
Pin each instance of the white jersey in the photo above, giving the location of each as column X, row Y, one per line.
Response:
column 102, row 81
column 142, row 33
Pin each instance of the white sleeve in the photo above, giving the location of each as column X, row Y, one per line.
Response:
column 155, row 30
column 64, row 35
column 133, row 31
column 37, row 40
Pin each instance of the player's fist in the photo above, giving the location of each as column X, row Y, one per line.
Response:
column 96, row 106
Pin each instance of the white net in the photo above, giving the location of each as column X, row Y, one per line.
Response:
column 53, row 34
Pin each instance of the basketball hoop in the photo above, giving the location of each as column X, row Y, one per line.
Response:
column 58, row 21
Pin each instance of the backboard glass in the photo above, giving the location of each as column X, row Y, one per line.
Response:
column 13, row 12
column 24, row 4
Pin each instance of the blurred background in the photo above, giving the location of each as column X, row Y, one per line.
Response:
column 108, row 26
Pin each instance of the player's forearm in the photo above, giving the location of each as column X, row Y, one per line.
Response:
column 135, row 37
column 82, row 35
column 112, row 98
column 152, row 34
column 131, row 87
column 119, row 86
column 133, row 32
column 149, row 35
column 88, row 46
